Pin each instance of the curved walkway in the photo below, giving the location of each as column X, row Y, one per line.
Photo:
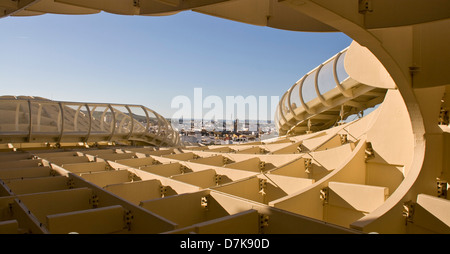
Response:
column 34, row 119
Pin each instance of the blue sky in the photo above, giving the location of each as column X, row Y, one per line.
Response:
column 150, row 60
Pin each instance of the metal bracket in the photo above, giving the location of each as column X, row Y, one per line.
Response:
column 444, row 117
column 94, row 201
column 408, row 211
column 10, row 209
column 308, row 165
column 263, row 222
column 204, row 202
column 226, row 160
column 344, row 139
column 309, row 131
column 163, row 190
column 442, row 188
column 324, row 194
column 217, row 179
column 370, row 153
column 71, row 183
column 128, row 218
column 262, row 186
column 263, row 151
column 133, row 177
column 183, row 169
column 262, row 165
column 365, row 6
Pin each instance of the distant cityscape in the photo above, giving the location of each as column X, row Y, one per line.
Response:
column 218, row 132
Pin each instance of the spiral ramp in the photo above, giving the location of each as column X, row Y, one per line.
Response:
column 324, row 174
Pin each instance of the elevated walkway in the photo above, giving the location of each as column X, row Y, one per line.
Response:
column 38, row 120
column 324, row 97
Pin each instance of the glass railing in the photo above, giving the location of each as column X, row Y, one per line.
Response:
column 29, row 119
